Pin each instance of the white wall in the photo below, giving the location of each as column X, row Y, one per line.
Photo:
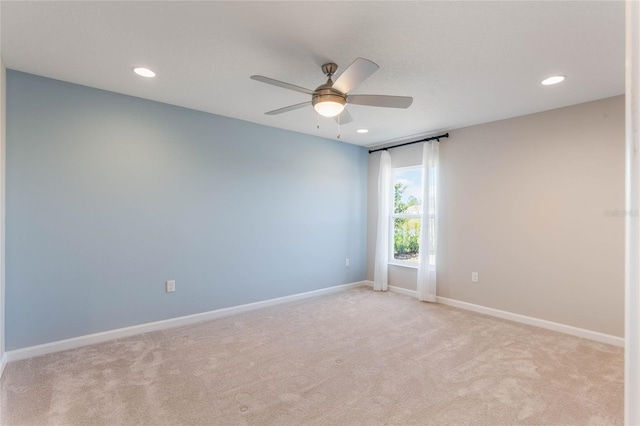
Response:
column 524, row 203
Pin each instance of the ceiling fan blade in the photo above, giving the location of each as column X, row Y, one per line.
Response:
column 381, row 100
column 356, row 73
column 282, row 84
column 344, row 117
column 288, row 108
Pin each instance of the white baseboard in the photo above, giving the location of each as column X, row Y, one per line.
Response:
column 90, row 339
column 523, row 319
column 395, row 289
column 405, row 291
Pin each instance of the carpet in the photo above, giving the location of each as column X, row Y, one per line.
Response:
column 353, row 358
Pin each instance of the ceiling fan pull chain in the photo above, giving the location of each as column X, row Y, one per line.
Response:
column 317, row 120
column 339, row 115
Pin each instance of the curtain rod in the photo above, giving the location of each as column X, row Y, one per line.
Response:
column 446, row 135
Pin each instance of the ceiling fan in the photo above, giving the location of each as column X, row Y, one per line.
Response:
column 329, row 99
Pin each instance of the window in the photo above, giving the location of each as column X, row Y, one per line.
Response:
column 406, row 214
column 406, row 217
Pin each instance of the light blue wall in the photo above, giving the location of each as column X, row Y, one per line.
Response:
column 109, row 196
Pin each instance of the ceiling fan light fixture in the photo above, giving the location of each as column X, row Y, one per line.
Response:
column 329, row 108
column 328, row 105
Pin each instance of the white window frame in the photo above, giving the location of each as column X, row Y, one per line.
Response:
column 393, row 216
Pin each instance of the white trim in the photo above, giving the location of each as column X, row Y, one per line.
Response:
column 404, row 291
column 119, row 333
column 3, row 168
column 523, row 319
column 395, row 289
column 632, row 225
column 406, row 215
column 3, row 363
column 405, row 168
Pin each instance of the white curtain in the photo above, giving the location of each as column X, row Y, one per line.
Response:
column 429, row 227
column 381, row 271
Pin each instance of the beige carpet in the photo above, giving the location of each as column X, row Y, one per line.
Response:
column 352, row 358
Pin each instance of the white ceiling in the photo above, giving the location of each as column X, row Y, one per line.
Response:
column 463, row 62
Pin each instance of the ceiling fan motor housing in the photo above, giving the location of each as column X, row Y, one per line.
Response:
column 327, row 94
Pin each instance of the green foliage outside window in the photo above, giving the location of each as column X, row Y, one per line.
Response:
column 406, row 231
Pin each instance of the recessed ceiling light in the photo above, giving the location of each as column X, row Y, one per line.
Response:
column 553, row 80
column 144, row 72
column 362, row 131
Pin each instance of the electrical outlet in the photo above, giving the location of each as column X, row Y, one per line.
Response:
column 346, row 262
column 171, row 286
column 474, row 277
